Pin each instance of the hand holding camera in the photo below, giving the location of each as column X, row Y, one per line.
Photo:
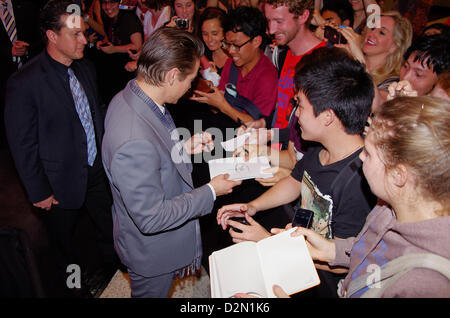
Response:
column 182, row 24
column 178, row 22
column 353, row 45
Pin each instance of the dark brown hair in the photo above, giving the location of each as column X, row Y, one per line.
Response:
column 50, row 16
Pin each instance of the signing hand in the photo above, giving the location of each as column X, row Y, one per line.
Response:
column 199, row 143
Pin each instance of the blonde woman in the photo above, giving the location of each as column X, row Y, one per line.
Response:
column 381, row 49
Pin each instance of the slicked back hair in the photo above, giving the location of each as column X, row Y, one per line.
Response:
column 165, row 49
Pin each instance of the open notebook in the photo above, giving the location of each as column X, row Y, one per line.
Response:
column 254, row 268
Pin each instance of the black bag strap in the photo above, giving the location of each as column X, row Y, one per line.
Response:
column 392, row 271
column 237, row 101
column 233, row 76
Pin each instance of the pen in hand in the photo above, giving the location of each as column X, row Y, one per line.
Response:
column 207, row 145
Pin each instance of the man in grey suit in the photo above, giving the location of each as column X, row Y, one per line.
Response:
column 156, row 208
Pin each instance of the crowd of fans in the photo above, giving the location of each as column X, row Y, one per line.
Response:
column 352, row 111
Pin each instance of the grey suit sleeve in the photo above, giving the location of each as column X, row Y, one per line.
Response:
column 136, row 170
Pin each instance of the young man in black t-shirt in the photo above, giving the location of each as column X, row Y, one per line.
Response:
column 335, row 95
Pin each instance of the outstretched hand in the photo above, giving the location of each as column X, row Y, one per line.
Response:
column 233, row 210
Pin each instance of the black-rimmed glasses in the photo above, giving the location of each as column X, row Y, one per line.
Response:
column 229, row 46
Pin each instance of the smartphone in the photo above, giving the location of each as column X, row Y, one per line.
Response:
column 302, row 217
column 182, row 23
column 240, row 220
column 334, row 36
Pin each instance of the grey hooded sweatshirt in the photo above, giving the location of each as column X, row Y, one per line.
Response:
column 383, row 239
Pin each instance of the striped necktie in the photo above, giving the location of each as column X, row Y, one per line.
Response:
column 84, row 112
column 10, row 26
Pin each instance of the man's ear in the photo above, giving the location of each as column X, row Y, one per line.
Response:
column 301, row 19
column 257, row 40
column 328, row 117
column 51, row 36
column 172, row 75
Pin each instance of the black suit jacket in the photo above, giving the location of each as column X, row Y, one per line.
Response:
column 44, row 132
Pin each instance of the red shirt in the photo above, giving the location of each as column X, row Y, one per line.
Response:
column 286, row 87
column 259, row 85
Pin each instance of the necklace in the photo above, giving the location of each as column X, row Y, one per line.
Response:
column 345, row 155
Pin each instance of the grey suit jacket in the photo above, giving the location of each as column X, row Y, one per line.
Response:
column 156, row 208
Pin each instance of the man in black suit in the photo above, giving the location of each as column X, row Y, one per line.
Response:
column 54, row 126
column 22, row 43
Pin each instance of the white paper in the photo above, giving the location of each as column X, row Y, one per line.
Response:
column 233, row 144
column 239, row 169
column 292, row 256
column 246, row 271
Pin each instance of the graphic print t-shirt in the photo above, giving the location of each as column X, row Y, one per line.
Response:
column 316, row 195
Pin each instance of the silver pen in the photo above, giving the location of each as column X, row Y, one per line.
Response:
column 207, row 145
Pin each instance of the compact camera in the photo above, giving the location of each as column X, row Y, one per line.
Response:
column 182, row 23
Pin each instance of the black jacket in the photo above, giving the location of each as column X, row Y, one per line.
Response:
column 44, row 132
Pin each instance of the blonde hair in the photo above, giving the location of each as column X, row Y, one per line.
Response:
column 415, row 131
column 402, row 35
column 444, row 81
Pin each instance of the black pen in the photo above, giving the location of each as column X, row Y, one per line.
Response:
column 240, row 122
